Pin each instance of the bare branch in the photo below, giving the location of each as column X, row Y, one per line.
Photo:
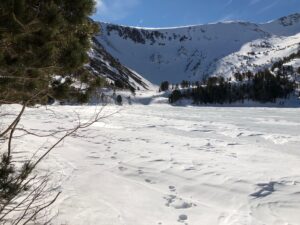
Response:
column 14, row 122
column 41, row 209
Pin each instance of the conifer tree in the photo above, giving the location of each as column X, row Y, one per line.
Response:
column 164, row 86
column 39, row 39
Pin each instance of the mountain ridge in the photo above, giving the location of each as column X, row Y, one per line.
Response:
column 199, row 51
column 292, row 18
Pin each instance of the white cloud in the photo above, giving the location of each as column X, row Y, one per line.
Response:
column 268, row 7
column 99, row 3
column 100, row 6
column 115, row 9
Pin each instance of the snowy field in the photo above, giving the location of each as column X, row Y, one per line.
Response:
column 164, row 165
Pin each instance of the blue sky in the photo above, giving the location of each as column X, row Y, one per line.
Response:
column 166, row 13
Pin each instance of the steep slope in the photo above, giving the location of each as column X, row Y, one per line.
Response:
column 257, row 55
column 195, row 52
column 285, row 26
column 103, row 64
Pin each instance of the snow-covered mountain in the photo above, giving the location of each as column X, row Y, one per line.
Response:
column 195, row 52
column 104, row 65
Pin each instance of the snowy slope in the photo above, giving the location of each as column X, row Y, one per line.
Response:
column 104, row 65
column 194, row 52
column 258, row 55
column 295, row 63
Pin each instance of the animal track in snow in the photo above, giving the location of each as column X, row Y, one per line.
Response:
column 182, row 218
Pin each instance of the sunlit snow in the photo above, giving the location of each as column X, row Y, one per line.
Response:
column 164, row 165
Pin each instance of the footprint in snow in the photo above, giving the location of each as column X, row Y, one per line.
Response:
column 172, row 188
column 121, row 168
column 191, row 168
column 93, row 157
column 232, row 144
column 158, row 160
column 149, row 181
column 182, row 218
column 177, row 203
column 170, row 199
column 140, row 172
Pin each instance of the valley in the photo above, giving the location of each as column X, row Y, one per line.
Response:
column 197, row 52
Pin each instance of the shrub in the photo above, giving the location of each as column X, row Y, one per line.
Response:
column 119, row 100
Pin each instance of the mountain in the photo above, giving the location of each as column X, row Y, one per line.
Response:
column 196, row 52
column 104, row 65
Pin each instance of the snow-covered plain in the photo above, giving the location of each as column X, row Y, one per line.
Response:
column 164, row 165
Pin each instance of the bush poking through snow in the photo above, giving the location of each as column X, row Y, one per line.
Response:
column 119, row 100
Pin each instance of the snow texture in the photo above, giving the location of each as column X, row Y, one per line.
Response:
column 164, row 165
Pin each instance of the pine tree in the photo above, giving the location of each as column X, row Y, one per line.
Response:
column 39, row 39
column 175, row 96
column 164, row 86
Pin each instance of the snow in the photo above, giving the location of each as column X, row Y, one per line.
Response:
column 104, row 65
column 266, row 52
column 165, row 165
column 295, row 63
column 195, row 52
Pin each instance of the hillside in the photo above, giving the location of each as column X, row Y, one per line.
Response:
column 196, row 52
column 104, row 65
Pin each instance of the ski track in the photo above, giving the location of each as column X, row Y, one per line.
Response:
column 163, row 165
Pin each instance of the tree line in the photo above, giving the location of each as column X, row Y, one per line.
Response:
column 263, row 86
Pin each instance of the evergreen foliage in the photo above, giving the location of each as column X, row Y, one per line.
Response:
column 262, row 87
column 185, row 84
column 119, row 100
column 39, row 39
column 9, row 184
column 279, row 64
column 164, row 86
column 119, row 84
column 175, row 96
